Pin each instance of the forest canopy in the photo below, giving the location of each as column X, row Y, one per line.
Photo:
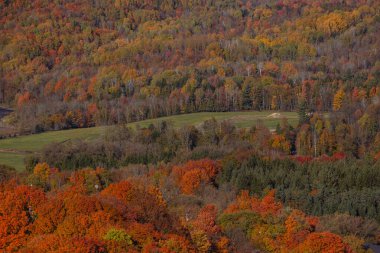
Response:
column 307, row 186
column 69, row 64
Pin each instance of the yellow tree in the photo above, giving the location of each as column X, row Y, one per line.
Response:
column 338, row 100
column 332, row 24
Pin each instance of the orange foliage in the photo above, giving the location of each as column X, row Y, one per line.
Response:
column 193, row 173
column 51, row 214
column 266, row 206
column 74, row 221
column 297, row 229
column 59, row 86
column 121, row 191
column 54, row 243
column 23, row 98
column 243, row 202
column 206, row 220
column 222, row 245
column 17, row 212
column 143, row 233
column 324, row 242
column 145, row 204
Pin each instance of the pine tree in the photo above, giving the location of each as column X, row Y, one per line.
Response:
column 246, row 97
column 302, row 112
column 258, row 98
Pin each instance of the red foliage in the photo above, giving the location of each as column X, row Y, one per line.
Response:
column 335, row 157
column 338, row 156
column 303, row 159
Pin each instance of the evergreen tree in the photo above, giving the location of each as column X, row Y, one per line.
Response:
column 258, row 98
column 246, row 97
column 303, row 112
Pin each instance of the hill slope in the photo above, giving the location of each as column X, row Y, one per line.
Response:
column 83, row 63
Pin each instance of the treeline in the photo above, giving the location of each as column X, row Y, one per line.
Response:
column 67, row 65
column 122, row 145
column 318, row 187
column 352, row 132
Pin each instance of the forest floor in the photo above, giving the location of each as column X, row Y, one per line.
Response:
column 14, row 150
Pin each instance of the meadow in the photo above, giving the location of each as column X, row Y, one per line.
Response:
column 14, row 150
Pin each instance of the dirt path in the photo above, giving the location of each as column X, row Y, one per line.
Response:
column 14, row 151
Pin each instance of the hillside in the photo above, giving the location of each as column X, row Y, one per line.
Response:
column 78, row 64
column 69, row 64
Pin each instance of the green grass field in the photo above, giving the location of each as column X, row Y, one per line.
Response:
column 13, row 150
column 13, row 159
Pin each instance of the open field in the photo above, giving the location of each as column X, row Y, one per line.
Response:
column 13, row 150
column 14, row 160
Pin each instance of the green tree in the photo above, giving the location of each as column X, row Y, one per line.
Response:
column 303, row 112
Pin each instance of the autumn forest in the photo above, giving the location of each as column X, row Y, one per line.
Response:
column 292, row 166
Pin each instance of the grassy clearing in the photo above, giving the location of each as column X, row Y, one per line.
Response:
column 34, row 143
column 12, row 159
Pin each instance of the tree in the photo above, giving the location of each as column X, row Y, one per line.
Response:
column 206, row 220
column 118, row 239
column 280, row 143
column 302, row 112
column 324, row 242
column 193, row 173
column 332, row 24
column 17, row 213
column 338, row 100
column 42, row 170
column 246, row 96
column 201, row 241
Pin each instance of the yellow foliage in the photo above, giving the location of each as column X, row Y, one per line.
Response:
column 332, row 24
column 42, row 170
column 338, row 100
column 201, row 241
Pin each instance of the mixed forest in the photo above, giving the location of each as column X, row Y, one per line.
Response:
column 313, row 186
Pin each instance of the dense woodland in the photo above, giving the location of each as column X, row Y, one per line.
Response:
column 85, row 63
column 209, row 189
column 314, row 187
column 187, row 207
column 80, row 63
